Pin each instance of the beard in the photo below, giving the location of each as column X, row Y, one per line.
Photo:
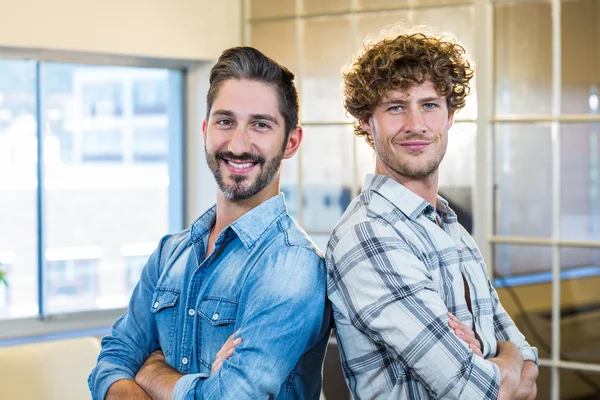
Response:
column 239, row 188
column 413, row 168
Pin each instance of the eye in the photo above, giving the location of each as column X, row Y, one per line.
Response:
column 430, row 106
column 261, row 125
column 225, row 122
column 395, row 108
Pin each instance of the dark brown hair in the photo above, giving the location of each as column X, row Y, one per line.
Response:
column 401, row 62
column 249, row 63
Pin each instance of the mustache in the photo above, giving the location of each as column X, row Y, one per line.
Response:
column 222, row 155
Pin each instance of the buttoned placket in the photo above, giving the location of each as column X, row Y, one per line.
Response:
column 192, row 328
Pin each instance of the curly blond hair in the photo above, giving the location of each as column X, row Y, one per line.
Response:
column 401, row 62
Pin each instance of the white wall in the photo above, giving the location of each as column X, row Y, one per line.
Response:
column 179, row 29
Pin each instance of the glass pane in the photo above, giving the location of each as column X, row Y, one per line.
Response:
column 580, row 48
column 321, row 93
column 278, row 41
column 289, row 184
column 578, row 385
column 313, row 7
column 272, row 8
column 320, row 240
column 370, row 26
column 523, row 54
column 382, row 4
column 440, row 2
column 544, row 383
column 328, row 175
column 365, row 159
column 457, row 172
column 106, row 147
column 580, row 191
column 18, row 183
column 527, row 298
column 523, row 179
column 459, row 22
column 521, row 264
column 580, row 305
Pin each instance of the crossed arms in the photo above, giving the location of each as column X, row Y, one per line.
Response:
column 380, row 287
column 286, row 299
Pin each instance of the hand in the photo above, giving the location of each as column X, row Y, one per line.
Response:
column 466, row 334
column 510, row 362
column 226, row 352
column 527, row 387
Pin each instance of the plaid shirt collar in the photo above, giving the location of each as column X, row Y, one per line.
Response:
column 408, row 202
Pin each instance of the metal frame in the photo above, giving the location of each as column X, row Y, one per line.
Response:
column 483, row 203
column 44, row 325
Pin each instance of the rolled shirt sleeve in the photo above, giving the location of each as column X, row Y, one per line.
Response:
column 133, row 336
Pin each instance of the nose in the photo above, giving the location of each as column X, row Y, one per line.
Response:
column 414, row 122
column 240, row 141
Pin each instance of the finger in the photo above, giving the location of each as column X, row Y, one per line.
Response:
column 216, row 366
column 452, row 316
column 459, row 326
column 470, row 340
column 476, row 350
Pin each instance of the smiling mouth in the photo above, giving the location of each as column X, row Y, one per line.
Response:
column 240, row 165
column 415, row 145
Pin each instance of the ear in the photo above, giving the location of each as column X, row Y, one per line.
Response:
column 450, row 120
column 366, row 125
column 204, row 126
column 293, row 142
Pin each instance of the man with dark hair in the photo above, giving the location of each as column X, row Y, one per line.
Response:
column 415, row 314
column 243, row 268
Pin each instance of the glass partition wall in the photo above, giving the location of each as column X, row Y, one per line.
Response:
column 522, row 166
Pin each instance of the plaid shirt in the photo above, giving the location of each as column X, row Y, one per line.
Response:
column 392, row 276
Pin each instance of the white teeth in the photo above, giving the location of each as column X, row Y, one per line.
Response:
column 240, row 166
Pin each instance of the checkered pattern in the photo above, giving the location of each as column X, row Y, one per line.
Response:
column 393, row 273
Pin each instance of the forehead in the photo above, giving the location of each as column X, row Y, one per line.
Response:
column 245, row 97
column 414, row 92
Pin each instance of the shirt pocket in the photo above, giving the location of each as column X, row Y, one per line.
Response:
column 165, row 316
column 218, row 323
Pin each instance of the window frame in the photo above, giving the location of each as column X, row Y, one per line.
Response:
column 43, row 325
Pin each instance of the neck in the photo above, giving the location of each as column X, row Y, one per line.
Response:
column 229, row 210
column 426, row 187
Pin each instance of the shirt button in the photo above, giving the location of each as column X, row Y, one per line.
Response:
column 184, row 360
column 215, row 317
column 191, row 312
column 155, row 305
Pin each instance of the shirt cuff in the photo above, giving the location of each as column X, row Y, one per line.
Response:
column 99, row 393
column 187, row 384
column 530, row 354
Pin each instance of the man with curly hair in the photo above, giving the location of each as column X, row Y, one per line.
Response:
column 415, row 314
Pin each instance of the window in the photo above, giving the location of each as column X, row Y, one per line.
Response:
column 111, row 177
column 72, row 275
column 150, row 96
column 136, row 255
column 7, row 259
column 18, row 183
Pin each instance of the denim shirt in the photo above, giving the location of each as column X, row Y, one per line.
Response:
column 264, row 278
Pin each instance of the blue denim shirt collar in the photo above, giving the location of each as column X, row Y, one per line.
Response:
column 250, row 226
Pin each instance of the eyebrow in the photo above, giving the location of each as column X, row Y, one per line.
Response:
column 228, row 113
column 225, row 113
column 403, row 101
column 265, row 117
